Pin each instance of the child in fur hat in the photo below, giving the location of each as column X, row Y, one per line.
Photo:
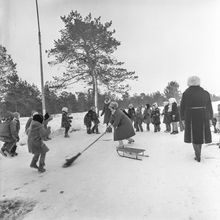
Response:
column 36, row 146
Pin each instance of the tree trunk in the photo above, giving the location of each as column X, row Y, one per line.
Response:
column 96, row 94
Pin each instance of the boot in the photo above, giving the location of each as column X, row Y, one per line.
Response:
column 66, row 135
column 41, row 169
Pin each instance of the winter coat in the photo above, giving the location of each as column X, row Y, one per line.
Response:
column 131, row 113
column 174, row 112
column 66, row 120
column 196, row 110
column 147, row 115
column 8, row 132
column 155, row 116
column 123, row 128
column 139, row 117
column 166, row 115
column 36, row 134
column 90, row 117
column 106, row 112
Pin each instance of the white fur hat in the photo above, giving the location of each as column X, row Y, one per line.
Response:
column 64, row 109
column 193, row 81
column 172, row 100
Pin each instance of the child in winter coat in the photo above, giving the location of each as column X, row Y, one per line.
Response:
column 66, row 121
column 147, row 116
column 36, row 146
column 155, row 117
column 138, row 120
column 95, row 120
column 166, row 116
column 88, row 121
column 8, row 134
column 174, row 112
column 17, row 122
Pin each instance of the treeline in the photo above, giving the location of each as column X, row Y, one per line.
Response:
column 23, row 97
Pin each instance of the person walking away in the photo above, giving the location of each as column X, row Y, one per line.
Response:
column 166, row 116
column 155, row 117
column 66, row 121
column 147, row 116
column 36, row 146
column 196, row 111
column 8, row 134
column 174, row 112
column 107, row 114
column 139, row 120
column 18, row 126
column 123, row 128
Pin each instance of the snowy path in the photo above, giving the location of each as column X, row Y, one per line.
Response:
column 169, row 185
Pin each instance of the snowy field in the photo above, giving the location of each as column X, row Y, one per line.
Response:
column 168, row 185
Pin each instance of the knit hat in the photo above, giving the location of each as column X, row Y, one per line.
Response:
column 38, row 117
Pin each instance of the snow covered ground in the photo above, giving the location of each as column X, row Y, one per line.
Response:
column 168, row 185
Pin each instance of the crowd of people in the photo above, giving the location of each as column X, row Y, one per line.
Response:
column 192, row 115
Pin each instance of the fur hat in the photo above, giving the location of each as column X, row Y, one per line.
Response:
column 172, row 100
column 38, row 117
column 193, row 81
column 113, row 105
column 65, row 109
column 130, row 106
column 16, row 115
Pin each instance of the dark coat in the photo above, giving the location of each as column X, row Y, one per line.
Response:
column 123, row 128
column 196, row 111
column 90, row 117
column 66, row 120
column 106, row 112
column 166, row 115
column 131, row 113
column 175, row 116
column 147, row 115
column 155, row 116
column 36, row 134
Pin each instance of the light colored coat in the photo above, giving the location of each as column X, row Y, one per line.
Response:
column 36, row 134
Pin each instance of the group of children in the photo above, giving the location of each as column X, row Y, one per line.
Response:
column 152, row 114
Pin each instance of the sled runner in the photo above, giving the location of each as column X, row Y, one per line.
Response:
column 132, row 153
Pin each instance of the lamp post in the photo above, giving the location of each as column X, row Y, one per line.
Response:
column 41, row 62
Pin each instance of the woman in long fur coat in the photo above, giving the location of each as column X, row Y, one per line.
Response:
column 196, row 111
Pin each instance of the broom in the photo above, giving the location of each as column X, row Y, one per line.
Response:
column 72, row 159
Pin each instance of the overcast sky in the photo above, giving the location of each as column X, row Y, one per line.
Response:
column 162, row 40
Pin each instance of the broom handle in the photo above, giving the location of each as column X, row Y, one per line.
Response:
column 93, row 142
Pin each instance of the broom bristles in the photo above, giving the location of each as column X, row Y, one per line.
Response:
column 71, row 160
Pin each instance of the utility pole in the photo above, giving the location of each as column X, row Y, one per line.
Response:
column 41, row 62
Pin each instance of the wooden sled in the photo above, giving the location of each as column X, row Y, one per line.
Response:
column 132, row 153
